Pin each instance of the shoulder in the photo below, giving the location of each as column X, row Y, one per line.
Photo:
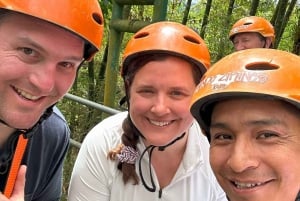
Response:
column 110, row 126
column 200, row 143
column 113, row 120
column 107, row 133
column 92, row 165
column 56, row 121
column 45, row 153
column 53, row 132
column 58, row 113
column 200, row 152
column 197, row 135
column 197, row 151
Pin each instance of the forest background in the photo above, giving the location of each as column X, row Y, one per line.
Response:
column 212, row 19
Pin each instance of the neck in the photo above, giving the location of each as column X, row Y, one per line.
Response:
column 5, row 132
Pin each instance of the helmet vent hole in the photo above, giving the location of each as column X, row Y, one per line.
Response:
column 141, row 35
column 262, row 66
column 97, row 18
column 247, row 23
column 191, row 39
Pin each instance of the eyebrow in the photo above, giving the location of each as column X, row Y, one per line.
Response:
column 31, row 42
column 40, row 48
column 265, row 122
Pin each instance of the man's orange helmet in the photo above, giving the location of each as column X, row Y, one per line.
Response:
column 169, row 37
column 253, row 24
column 257, row 72
column 83, row 18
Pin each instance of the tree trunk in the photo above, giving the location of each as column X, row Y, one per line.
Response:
column 205, row 18
column 254, row 7
column 296, row 46
column 226, row 25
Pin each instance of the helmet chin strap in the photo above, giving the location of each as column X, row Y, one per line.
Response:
column 152, row 188
column 3, row 122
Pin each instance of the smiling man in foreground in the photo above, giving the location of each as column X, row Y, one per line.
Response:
column 248, row 106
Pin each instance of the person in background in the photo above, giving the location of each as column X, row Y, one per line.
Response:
column 156, row 150
column 43, row 44
column 248, row 106
column 252, row 32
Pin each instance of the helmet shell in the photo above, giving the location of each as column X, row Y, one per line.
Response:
column 253, row 24
column 168, row 37
column 84, row 18
column 256, row 72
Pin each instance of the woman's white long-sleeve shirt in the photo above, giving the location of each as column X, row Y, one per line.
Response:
column 96, row 178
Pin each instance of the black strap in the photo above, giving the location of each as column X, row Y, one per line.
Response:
column 152, row 188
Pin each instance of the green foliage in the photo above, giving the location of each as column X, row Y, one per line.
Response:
column 289, row 33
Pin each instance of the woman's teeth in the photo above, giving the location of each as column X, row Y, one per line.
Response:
column 160, row 123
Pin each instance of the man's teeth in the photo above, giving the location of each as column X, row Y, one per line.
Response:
column 246, row 185
column 27, row 95
column 159, row 123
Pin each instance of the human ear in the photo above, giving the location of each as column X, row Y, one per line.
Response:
column 268, row 42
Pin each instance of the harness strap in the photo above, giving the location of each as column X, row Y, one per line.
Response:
column 16, row 162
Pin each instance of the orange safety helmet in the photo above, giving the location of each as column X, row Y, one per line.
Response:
column 253, row 72
column 170, row 37
column 253, row 24
column 83, row 18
